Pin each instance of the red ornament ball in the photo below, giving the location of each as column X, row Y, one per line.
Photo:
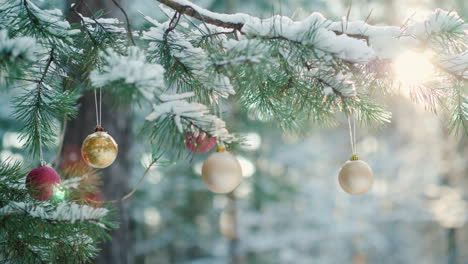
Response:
column 41, row 182
column 199, row 144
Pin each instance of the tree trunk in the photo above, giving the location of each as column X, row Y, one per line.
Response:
column 115, row 178
column 452, row 249
column 234, row 257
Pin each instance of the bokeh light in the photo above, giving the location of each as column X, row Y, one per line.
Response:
column 412, row 68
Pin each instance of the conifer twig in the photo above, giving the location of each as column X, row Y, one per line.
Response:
column 39, row 94
column 129, row 29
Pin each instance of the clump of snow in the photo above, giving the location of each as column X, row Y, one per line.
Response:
column 230, row 18
column 17, row 48
column 311, row 31
column 439, row 21
column 131, row 69
column 53, row 20
column 109, row 24
column 64, row 211
column 389, row 41
column 186, row 114
column 246, row 50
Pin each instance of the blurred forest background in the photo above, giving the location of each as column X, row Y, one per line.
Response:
column 289, row 208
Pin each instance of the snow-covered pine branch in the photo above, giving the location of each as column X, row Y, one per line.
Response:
column 189, row 116
column 353, row 41
column 47, row 26
column 67, row 229
column 13, row 49
column 285, row 70
column 63, row 212
column 132, row 69
column 103, row 33
column 109, row 24
column 15, row 53
column 198, row 67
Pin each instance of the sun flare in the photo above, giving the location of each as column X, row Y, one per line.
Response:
column 412, row 68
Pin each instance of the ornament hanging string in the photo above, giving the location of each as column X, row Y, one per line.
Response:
column 41, row 154
column 352, row 132
column 98, row 107
column 221, row 146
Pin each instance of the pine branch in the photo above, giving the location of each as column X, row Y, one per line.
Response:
column 223, row 20
column 172, row 25
column 192, row 10
column 129, row 28
column 46, row 70
column 63, row 227
column 30, row 109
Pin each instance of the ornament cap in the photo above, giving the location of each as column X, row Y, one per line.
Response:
column 354, row 157
column 221, row 148
column 99, row 129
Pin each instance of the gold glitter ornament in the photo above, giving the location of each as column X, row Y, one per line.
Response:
column 99, row 149
column 355, row 177
column 221, row 171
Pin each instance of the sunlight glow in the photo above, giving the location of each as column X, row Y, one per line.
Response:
column 412, row 68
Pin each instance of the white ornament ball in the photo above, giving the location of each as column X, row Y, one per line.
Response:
column 355, row 177
column 221, row 172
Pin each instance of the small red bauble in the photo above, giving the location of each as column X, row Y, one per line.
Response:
column 41, row 181
column 199, row 144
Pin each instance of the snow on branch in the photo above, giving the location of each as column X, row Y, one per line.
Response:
column 312, row 32
column 388, row 41
column 131, row 69
column 109, row 24
column 63, row 212
column 353, row 41
column 234, row 21
column 194, row 59
column 438, row 22
column 20, row 48
column 187, row 114
column 15, row 54
column 42, row 23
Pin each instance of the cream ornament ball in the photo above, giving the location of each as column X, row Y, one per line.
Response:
column 221, row 172
column 355, row 177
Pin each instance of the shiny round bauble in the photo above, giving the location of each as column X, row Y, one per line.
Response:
column 355, row 177
column 221, row 172
column 42, row 182
column 199, row 144
column 99, row 150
